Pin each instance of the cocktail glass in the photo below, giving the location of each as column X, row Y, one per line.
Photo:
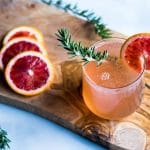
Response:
column 112, row 90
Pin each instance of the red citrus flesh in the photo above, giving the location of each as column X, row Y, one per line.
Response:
column 136, row 47
column 23, row 34
column 23, row 31
column 17, row 46
column 29, row 73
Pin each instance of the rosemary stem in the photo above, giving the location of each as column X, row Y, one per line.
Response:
column 90, row 16
column 76, row 49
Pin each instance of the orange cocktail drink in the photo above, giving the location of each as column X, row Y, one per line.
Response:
column 114, row 89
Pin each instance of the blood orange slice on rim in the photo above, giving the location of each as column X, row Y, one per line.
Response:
column 29, row 73
column 17, row 46
column 23, row 31
column 134, row 48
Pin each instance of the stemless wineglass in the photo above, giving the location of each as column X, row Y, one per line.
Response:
column 112, row 90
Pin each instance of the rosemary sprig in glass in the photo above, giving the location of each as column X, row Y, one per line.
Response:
column 4, row 141
column 76, row 49
column 100, row 28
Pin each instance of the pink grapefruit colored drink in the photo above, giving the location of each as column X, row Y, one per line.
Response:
column 112, row 90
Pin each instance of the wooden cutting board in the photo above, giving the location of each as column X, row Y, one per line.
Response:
column 63, row 104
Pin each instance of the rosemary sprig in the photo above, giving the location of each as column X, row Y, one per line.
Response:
column 76, row 49
column 4, row 141
column 100, row 28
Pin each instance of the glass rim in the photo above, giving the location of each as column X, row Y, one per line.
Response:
column 119, row 87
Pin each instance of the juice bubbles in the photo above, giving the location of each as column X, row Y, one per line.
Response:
column 112, row 90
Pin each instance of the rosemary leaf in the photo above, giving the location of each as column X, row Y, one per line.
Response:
column 100, row 28
column 76, row 49
column 4, row 141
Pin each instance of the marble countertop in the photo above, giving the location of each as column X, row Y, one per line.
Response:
column 30, row 132
column 125, row 16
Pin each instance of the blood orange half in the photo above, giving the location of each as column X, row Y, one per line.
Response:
column 134, row 48
column 17, row 46
column 29, row 73
column 23, row 31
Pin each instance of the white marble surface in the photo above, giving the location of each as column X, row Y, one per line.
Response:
column 125, row 16
column 30, row 132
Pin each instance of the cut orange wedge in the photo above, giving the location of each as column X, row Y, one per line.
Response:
column 136, row 47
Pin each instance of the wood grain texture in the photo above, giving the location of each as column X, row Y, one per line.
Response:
column 63, row 104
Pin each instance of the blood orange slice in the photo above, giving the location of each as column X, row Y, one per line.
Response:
column 134, row 48
column 17, row 46
column 23, row 31
column 29, row 73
